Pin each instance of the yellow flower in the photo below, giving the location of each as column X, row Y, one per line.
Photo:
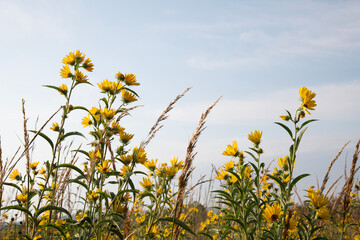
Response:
column 285, row 117
column 79, row 56
column 86, row 121
column 231, row 150
column 88, row 65
column 128, row 96
column 323, row 213
column 130, row 79
column 140, row 219
column 116, row 87
column 80, row 77
column 104, row 167
column 34, row 165
column 15, row 175
column 80, row 216
column 65, row 72
column 96, row 156
column 126, row 158
column 176, row 163
column 108, row 113
column 307, row 99
column 221, row 174
column 229, row 165
column 105, row 85
column 146, row 183
column 69, row 59
column 151, row 165
column 55, row 126
column 120, row 76
column 248, row 171
column 282, row 162
column 170, row 171
column 116, row 127
column 125, row 170
column 37, row 237
column 317, row 199
column 60, row 222
column 93, row 195
column 255, row 137
column 22, row 197
column 63, row 89
column 125, row 137
column 272, row 213
column 139, row 155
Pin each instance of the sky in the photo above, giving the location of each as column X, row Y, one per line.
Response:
column 254, row 54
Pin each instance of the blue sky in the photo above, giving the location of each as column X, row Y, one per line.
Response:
column 255, row 54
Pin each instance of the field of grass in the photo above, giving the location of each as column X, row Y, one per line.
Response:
column 102, row 199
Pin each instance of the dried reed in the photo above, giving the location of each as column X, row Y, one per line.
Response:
column 188, row 168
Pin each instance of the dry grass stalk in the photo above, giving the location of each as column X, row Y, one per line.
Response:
column 287, row 225
column 187, row 169
column 336, row 181
column 12, row 165
column 326, row 178
column 350, row 181
column 2, row 174
column 27, row 155
column 163, row 116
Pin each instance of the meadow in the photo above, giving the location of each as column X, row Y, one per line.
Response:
column 103, row 199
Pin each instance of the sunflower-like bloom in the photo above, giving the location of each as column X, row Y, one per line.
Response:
column 272, row 213
column 108, row 113
column 80, row 77
column 55, row 126
column 125, row 170
column 126, row 158
column 317, row 199
column 229, row 165
column 292, row 223
column 69, row 59
column 15, row 175
column 128, row 97
column 146, row 183
column 176, row 163
column 105, row 85
column 65, row 72
column 130, row 79
column 221, row 174
column 116, row 87
column 79, row 56
column 255, row 137
column 34, row 165
column 120, row 76
column 97, row 155
column 60, row 222
column 86, row 121
column 119, row 207
column 63, row 89
column 307, row 97
column 170, row 171
column 80, row 216
column 88, row 65
column 231, row 150
column 125, row 137
column 151, row 165
column 139, row 155
column 285, row 117
column 140, row 219
column 116, row 127
column 104, row 167
column 22, row 197
column 323, row 213
column 282, row 162
column 247, row 173
column 93, row 195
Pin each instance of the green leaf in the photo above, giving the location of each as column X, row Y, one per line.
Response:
column 49, row 208
column 297, row 179
column 45, row 137
column 205, row 234
column 105, row 101
column 80, row 107
column 307, row 122
column 252, row 155
column 52, row 225
column 53, row 87
column 278, row 180
column 72, row 167
column 71, row 134
column 286, row 128
column 22, row 209
column 13, row 185
column 177, row 222
column 299, row 138
column 80, row 183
